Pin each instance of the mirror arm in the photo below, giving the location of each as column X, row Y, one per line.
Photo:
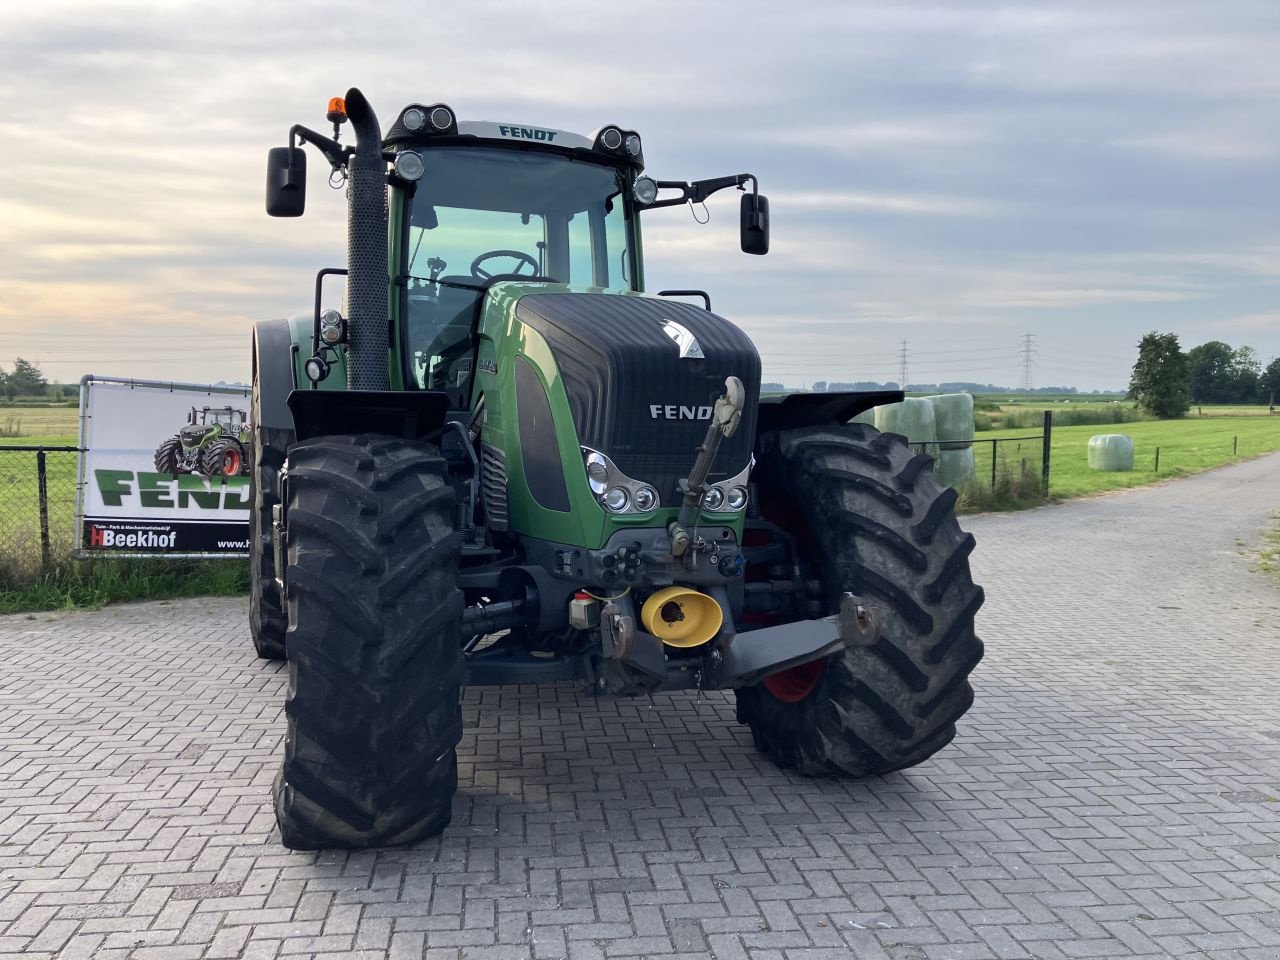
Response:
column 699, row 190
column 333, row 151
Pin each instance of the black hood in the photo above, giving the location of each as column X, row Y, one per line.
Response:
column 632, row 395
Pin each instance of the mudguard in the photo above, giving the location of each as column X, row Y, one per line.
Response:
column 273, row 372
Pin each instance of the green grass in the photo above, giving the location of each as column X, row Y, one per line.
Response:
column 23, row 424
column 1186, row 446
column 90, row 584
column 1269, row 555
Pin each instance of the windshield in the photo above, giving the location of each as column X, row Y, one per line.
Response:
column 553, row 216
column 480, row 214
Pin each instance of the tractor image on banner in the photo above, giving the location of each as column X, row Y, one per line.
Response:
column 188, row 497
column 214, row 442
column 504, row 461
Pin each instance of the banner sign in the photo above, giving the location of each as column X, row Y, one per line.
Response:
column 164, row 469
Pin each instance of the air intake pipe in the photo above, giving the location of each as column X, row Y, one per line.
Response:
column 368, row 315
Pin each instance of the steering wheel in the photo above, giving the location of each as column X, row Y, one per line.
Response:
column 519, row 256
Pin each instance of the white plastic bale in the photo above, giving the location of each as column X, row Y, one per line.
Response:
column 1112, row 452
column 953, row 416
column 866, row 416
column 955, row 468
column 912, row 418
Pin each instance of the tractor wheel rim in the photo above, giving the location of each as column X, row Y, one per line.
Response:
column 231, row 463
column 794, row 685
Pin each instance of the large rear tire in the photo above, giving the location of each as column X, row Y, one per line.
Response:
column 267, row 618
column 223, row 458
column 869, row 517
column 375, row 660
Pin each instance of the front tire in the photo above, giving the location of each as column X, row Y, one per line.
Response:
column 375, row 659
column 870, row 518
column 166, row 458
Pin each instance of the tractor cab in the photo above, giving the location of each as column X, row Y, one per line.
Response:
column 484, row 213
column 472, row 204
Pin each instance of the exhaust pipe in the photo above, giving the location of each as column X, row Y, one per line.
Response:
column 368, row 315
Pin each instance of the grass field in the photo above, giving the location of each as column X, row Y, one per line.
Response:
column 1186, row 446
column 31, row 425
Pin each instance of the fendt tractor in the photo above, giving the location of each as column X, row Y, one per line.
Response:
column 504, row 462
column 214, row 442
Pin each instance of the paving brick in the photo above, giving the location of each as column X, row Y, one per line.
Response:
column 1108, row 795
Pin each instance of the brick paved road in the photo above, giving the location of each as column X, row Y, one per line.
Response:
column 1115, row 792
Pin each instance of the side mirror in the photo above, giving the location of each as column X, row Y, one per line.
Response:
column 286, row 181
column 755, row 224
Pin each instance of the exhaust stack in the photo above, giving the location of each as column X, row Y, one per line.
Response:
column 368, row 315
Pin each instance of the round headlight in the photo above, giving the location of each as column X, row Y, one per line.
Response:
column 645, row 190
column 442, row 118
column 646, row 499
column 713, row 499
column 315, row 369
column 737, row 498
column 597, row 476
column 611, row 138
column 409, row 165
column 633, row 145
column 413, row 119
column 616, row 499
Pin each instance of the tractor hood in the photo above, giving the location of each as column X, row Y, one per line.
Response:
column 195, row 433
column 642, row 375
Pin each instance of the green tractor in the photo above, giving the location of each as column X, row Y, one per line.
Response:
column 215, row 442
column 504, row 462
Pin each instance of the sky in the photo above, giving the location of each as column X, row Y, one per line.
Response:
column 952, row 175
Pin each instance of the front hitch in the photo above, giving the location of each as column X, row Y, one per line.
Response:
column 755, row 655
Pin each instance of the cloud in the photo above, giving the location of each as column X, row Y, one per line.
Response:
column 951, row 173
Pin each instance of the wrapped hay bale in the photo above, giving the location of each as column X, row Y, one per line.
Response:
column 866, row 416
column 955, row 468
column 953, row 415
column 1111, row 452
column 912, row 418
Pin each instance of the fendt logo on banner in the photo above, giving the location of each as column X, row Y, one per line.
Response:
column 165, row 468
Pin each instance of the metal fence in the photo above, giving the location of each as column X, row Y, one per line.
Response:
column 37, row 506
column 1013, row 463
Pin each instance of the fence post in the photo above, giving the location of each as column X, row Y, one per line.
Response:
column 43, row 484
column 993, row 465
column 1235, row 445
column 1157, row 470
column 1044, row 461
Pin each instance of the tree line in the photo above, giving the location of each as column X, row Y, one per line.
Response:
column 24, row 380
column 1166, row 381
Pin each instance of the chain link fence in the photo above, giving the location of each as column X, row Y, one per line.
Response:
column 37, row 507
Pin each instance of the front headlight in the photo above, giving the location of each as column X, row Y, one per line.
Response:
column 597, row 473
column 737, row 498
column 646, row 499
column 616, row 500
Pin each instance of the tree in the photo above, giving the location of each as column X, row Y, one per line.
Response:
column 1212, row 372
column 1270, row 384
column 1161, row 380
column 1246, row 371
column 820, row 387
column 26, row 380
